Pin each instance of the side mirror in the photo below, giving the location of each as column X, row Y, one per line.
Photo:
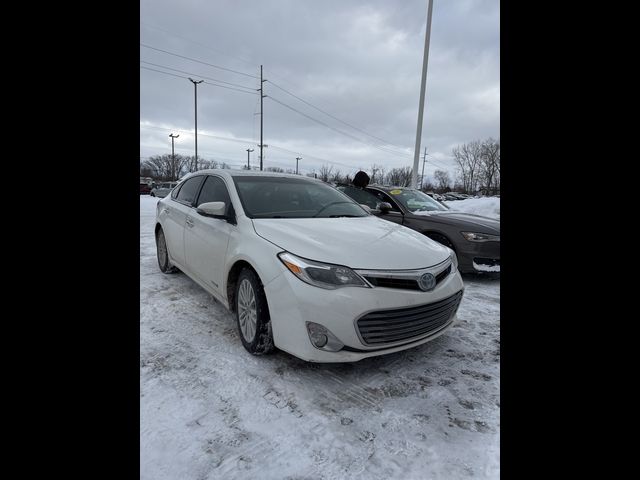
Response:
column 212, row 209
column 384, row 207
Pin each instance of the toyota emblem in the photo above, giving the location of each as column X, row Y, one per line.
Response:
column 427, row 282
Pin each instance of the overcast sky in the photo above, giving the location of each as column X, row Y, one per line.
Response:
column 360, row 61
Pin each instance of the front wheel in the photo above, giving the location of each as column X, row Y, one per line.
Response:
column 163, row 253
column 252, row 314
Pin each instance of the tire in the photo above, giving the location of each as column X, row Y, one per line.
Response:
column 162, row 252
column 441, row 239
column 250, row 305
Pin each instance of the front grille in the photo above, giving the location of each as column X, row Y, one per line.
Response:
column 443, row 274
column 391, row 326
column 403, row 283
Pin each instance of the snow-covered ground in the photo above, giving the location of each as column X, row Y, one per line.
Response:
column 210, row 410
column 485, row 206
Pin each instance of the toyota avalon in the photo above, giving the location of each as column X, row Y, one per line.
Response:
column 304, row 267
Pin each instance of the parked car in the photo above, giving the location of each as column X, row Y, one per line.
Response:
column 163, row 189
column 475, row 239
column 145, row 188
column 435, row 196
column 304, row 267
column 450, row 197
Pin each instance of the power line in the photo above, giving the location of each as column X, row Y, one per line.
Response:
column 196, row 43
column 385, row 142
column 336, row 130
column 198, row 75
column 197, row 61
column 272, row 146
column 207, row 83
column 229, row 161
column 245, row 141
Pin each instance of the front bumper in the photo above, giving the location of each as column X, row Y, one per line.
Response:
column 478, row 256
column 292, row 303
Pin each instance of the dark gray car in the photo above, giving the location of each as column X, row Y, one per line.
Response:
column 475, row 239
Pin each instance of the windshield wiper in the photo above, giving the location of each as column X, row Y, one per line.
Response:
column 339, row 216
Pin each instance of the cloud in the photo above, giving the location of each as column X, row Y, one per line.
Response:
column 360, row 61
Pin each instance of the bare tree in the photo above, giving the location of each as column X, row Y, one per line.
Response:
column 468, row 158
column 145, row 170
column 442, row 179
column 400, row 177
column 274, row 169
column 325, row 173
column 490, row 163
column 427, row 186
column 377, row 174
column 166, row 167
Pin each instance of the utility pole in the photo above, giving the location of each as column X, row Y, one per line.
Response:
column 424, row 160
column 173, row 158
column 249, row 150
column 195, row 90
column 297, row 160
column 425, row 60
column 261, row 117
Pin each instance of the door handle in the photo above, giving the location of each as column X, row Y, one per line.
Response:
column 189, row 222
column 166, row 210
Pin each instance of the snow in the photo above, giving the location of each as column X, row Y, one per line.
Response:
column 209, row 410
column 486, row 268
column 485, row 206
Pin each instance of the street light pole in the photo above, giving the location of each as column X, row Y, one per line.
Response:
column 297, row 160
column 173, row 157
column 424, row 160
column 249, row 150
column 195, row 90
column 425, row 61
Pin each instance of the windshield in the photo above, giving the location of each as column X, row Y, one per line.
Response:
column 286, row 197
column 416, row 201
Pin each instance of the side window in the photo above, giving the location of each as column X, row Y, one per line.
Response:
column 189, row 190
column 383, row 197
column 214, row 190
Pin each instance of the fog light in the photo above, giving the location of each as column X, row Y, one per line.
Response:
column 322, row 338
column 319, row 339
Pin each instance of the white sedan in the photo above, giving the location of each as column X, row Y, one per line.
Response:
column 304, row 267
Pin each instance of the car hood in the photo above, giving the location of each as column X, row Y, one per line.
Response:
column 468, row 220
column 361, row 242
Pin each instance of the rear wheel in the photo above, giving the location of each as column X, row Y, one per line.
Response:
column 252, row 314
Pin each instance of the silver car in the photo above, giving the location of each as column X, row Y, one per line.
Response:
column 163, row 189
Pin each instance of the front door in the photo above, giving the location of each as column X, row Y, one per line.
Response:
column 206, row 238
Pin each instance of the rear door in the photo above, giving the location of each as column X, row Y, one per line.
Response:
column 174, row 216
column 206, row 238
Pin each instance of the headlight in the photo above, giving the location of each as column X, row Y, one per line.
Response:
column 454, row 260
column 480, row 237
column 323, row 275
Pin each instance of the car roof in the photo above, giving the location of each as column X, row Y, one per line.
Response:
column 225, row 172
